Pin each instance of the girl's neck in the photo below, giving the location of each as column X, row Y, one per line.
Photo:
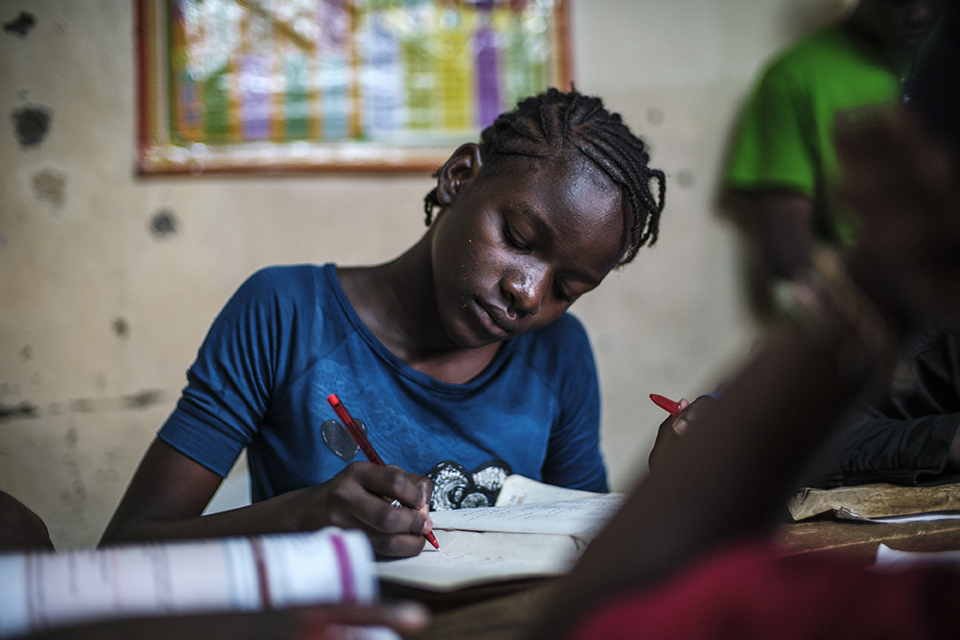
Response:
column 396, row 302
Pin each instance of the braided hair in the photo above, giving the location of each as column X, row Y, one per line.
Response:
column 553, row 123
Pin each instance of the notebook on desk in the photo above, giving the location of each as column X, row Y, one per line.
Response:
column 535, row 530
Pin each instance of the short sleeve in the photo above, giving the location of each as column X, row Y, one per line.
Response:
column 773, row 147
column 229, row 385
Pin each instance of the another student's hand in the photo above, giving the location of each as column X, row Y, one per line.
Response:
column 362, row 497
column 323, row 622
column 673, row 428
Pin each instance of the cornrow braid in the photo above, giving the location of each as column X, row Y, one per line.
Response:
column 554, row 123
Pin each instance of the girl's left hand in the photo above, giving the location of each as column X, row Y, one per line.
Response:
column 674, row 427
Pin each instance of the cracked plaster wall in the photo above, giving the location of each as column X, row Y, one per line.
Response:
column 109, row 282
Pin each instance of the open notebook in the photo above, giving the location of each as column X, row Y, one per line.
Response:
column 534, row 530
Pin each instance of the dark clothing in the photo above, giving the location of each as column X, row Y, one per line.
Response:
column 933, row 90
column 903, row 438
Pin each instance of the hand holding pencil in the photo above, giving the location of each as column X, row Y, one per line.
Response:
column 361, row 439
column 682, row 413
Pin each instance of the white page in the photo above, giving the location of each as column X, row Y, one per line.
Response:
column 491, row 544
column 583, row 518
column 845, row 514
column 519, row 489
column 468, row 558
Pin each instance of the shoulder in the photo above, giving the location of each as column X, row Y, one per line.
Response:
column 831, row 41
column 567, row 325
column 283, row 278
column 279, row 295
column 811, row 56
column 558, row 345
column 291, row 284
column 564, row 329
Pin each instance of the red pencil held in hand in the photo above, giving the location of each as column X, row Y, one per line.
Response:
column 361, row 439
column 668, row 405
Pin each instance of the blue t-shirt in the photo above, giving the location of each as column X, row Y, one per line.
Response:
column 289, row 337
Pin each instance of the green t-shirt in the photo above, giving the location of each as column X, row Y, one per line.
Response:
column 785, row 139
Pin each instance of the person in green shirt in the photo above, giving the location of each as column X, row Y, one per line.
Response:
column 783, row 166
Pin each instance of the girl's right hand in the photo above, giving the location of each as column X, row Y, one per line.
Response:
column 170, row 490
column 364, row 496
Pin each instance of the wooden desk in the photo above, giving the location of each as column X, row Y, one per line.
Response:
column 509, row 617
column 861, row 539
column 505, row 618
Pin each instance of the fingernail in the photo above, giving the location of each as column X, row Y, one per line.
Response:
column 680, row 426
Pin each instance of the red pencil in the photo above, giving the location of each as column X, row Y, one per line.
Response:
column 364, row 444
column 668, row 405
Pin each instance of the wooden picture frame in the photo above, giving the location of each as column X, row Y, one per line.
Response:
column 294, row 86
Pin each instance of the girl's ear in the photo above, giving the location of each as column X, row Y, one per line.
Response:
column 457, row 172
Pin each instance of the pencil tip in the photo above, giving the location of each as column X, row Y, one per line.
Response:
column 432, row 539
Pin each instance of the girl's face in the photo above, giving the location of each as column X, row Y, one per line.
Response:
column 513, row 250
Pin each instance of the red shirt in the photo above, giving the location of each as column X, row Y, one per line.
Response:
column 748, row 591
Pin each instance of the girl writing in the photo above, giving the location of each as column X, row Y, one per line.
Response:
column 458, row 355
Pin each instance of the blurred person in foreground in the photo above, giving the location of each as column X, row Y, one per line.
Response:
column 689, row 554
column 782, row 176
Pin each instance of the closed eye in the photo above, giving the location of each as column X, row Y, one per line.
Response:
column 512, row 239
column 561, row 293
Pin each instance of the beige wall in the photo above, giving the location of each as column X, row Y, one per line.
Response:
column 100, row 317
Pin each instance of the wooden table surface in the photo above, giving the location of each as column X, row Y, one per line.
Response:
column 861, row 539
column 508, row 617
column 504, row 618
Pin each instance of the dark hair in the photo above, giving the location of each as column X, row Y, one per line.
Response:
column 553, row 123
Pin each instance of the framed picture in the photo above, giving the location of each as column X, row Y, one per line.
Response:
column 275, row 86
